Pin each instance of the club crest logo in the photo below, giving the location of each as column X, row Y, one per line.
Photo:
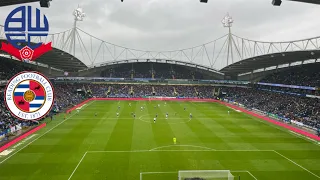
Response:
column 19, row 29
column 29, row 96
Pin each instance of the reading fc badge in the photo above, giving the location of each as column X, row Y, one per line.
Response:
column 29, row 96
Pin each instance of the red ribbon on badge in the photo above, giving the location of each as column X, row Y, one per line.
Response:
column 26, row 53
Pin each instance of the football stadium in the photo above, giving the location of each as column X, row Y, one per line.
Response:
column 231, row 108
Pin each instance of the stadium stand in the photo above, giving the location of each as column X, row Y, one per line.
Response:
column 66, row 95
column 302, row 109
column 305, row 75
column 294, row 107
column 145, row 70
column 9, row 68
column 117, row 90
column 6, row 120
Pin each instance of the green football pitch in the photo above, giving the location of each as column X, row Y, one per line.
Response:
column 106, row 147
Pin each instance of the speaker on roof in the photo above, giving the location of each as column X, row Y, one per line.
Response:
column 276, row 2
column 203, row 1
column 45, row 3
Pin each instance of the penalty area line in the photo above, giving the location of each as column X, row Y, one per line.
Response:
column 75, row 169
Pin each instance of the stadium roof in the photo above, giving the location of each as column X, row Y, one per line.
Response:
column 265, row 61
column 167, row 61
column 59, row 59
column 12, row 2
column 308, row 1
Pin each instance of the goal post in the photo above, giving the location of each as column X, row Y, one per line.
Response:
column 205, row 175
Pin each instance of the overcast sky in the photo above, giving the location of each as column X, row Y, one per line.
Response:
column 175, row 24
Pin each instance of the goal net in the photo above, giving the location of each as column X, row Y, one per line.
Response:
column 205, row 175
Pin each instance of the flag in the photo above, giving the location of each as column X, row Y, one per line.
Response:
column 84, row 89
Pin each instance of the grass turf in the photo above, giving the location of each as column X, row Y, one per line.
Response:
column 85, row 147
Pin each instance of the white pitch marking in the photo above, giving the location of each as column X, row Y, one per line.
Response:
column 77, row 165
column 282, row 129
column 296, row 164
column 169, row 172
column 296, row 133
column 203, row 147
column 141, row 119
column 311, row 139
column 208, row 150
column 39, row 137
column 103, row 118
column 117, row 151
column 252, row 175
column 246, row 172
column 142, row 173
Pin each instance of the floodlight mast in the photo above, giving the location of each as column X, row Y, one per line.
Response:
column 227, row 22
column 78, row 16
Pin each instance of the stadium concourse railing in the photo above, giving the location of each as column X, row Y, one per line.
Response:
column 235, row 107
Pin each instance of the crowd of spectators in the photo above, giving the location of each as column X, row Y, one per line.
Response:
column 305, row 75
column 288, row 90
column 303, row 109
column 133, row 90
column 9, row 68
column 6, row 119
column 155, row 70
column 66, row 95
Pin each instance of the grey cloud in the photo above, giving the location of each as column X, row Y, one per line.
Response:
column 176, row 24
